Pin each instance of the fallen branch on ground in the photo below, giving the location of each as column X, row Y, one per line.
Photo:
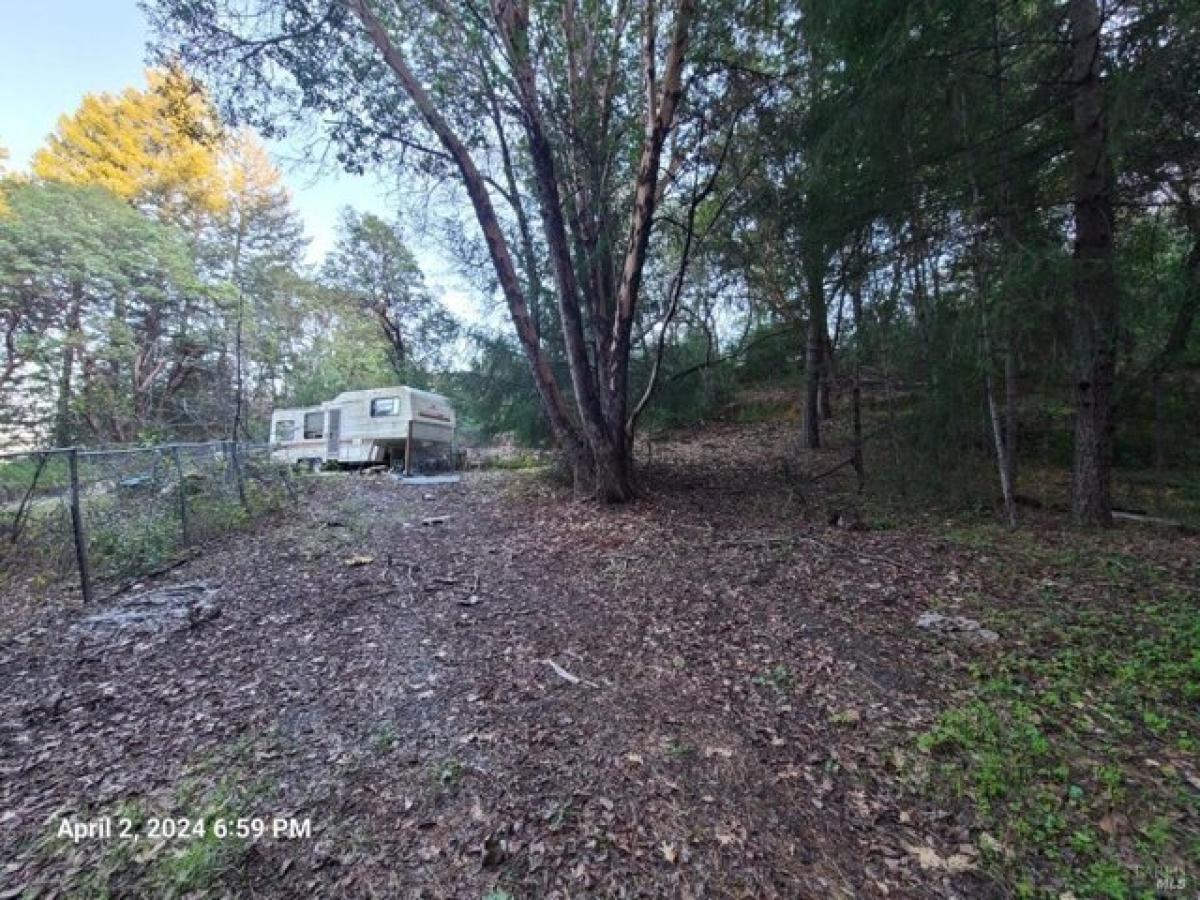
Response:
column 1125, row 516
column 837, row 468
column 567, row 676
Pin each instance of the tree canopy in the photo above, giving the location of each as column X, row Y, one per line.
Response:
column 987, row 214
column 154, row 282
column 157, row 148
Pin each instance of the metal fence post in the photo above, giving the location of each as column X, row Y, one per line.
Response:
column 77, row 528
column 183, row 512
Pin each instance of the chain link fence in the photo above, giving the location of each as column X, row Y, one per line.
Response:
column 95, row 516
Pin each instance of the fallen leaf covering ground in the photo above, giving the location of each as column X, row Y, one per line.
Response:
column 492, row 690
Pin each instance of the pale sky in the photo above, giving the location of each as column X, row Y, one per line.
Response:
column 53, row 54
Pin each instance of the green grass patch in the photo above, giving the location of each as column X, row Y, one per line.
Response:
column 753, row 411
column 681, row 750
column 210, row 861
column 447, row 775
column 173, row 855
column 135, row 542
column 1077, row 752
column 519, row 462
column 778, row 678
column 383, row 738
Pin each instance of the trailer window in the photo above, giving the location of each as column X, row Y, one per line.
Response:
column 314, row 425
column 385, row 406
column 285, row 430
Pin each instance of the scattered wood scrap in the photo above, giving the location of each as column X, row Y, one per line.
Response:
column 567, row 676
column 1144, row 519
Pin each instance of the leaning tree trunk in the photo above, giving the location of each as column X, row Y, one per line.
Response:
column 1095, row 321
column 598, row 442
column 566, row 434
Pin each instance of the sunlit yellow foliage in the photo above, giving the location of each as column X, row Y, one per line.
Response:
column 158, row 148
column 251, row 180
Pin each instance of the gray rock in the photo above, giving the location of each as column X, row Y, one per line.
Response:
column 959, row 627
column 161, row 610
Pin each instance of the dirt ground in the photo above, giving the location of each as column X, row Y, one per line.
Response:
column 491, row 690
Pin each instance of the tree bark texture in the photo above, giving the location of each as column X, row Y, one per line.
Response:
column 560, row 422
column 597, row 439
column 1095, row 289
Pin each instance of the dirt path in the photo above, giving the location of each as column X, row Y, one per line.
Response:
column 696, row 695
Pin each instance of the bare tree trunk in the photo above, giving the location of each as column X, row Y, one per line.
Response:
column 565, row 432
column 235, row 273
column 993, row 421
column 397, row 352
column 600, row 385
column 856, row 393
column 826, row 392
column 1160, row 442
column 918, row 249
column 1011, row 413
column 1095, row 321
column 889, row 397
column 814, row 352
column 610, row 479
column 239, row 381
column 1003, row 463
column 533, row 279
column 601, row 396
column 1006, row 230
column 73, row 334
column 584, row 380
column 661, row 104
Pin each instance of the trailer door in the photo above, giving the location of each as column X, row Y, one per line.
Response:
column 333, row 434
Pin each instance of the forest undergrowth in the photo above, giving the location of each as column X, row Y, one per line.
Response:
column 491, row 690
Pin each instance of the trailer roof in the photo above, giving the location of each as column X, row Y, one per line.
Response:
column 347, row 396
column 363, row 394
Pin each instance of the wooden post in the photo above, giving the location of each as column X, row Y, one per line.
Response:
column 77, row 528
column 408, row 451
column 183, row 512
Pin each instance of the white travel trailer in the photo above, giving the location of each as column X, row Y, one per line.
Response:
column 400, row 427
